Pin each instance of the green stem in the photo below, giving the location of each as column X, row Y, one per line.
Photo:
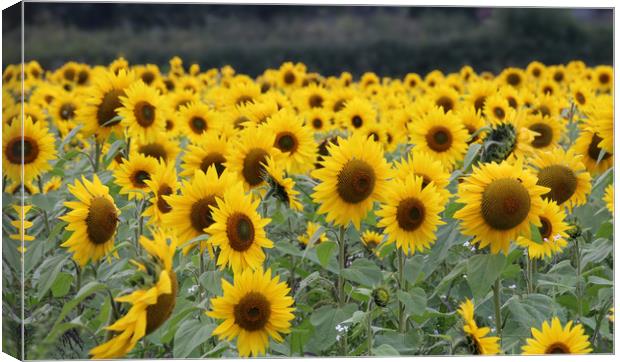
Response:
column 498, row 306
column 401, row 286
column 45, row 215
column 369, row 328
column 578, row 284
column 341, row 295
column 98, row 147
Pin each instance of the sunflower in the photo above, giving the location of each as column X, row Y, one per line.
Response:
column 410, row 214
column 310, row 97
column 441, row 135
column 29, row 150
column 581, row 93
column 445, row 97
column 247, row 157
column 371, row 241
column 588, row 144
column 181, row 98
column 148, row 73
column 481, row 344
column 198, row 119
column 338, row 97
column 513, row 77
column 151, row 305
column 352, row 178
column 238, row 230
column 92, row 220
column 535, row 69
column 604, row 77
column 318, row 119
column 254, row 308
column 552, row 232
column 132, row 174
column 161, row 148
column 356, row 113
column 565, row 176
column 496, row 109
column 63, row 110
column 290, row 76
column 191, row 210
column 211, row 151
column 255, row 114
column 472, row 121
column 548, row 131
column 501, row 201
column 163, row 182
column 423, row 165
column 240, row 93
column 478, row 92
column 280, row 186
column 293, row 139
column 609, row 198
column 141, row 112
column 555, row 339
column 312, row 228
column 53, row 184
column 99, row 111
column 601, row 119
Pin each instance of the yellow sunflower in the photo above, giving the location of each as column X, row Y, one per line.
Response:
column 191, row 210
column 313, row 96
column 151, row 305
column 601, row 118
column 290, row 76
column 445, row 97
column 354, row 175
column 240, row 93
column 496, row 109
column 442, row 136
column 247, row 156
column 141, row 112
column 254, row 308
column 371, row 241
column 514, row 77
column 311, row 229
column 565, row 175
column 318, row 119
column 93, row 220
column 423, row 165
column 472, row 121
column 238, row 230
column 609, row 198
column 211, row 151
column 588, row 144
column 552, row 232
column 197, row 119
column 555, row 339
column 161, row 148
column 548, row 131
column 293, row 139
column 477, row 93
column 163, row 182
column 132, row 174
column 535, row 69
column 99, row 112
column 501, row 201
column 410, row 214
column 481, row 344
column 63, row 110
column 356, row 113
column 29, row 150
column 604, row 77
column 53, row 184
column 280, row 186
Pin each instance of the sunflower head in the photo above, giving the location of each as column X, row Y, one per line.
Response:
column 553, row 338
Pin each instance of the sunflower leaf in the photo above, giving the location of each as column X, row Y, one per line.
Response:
column 482, row 271
column 535, row 234
column 324, row 251
column 189, row 336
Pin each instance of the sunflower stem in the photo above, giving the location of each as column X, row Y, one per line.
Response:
column 369, row 327
column 45, row 216
column 578, row 290
column 498, row 306
column 341, row 266
column 98, row 147
column 401, row 285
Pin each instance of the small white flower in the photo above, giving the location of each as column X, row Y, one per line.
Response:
column 513, row 286
column 192, row 289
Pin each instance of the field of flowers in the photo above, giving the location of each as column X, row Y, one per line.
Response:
column 181, row 212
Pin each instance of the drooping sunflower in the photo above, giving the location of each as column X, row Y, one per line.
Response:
column 312, row 228
column 151, row 305
column 247, row 157
column 552, row 232
column 30, row 150
column 356, row 113
column 141, row 112
column 423, row 165
column 478, row 336
column 238, row 230
column 293, row 139
column 441, row 135
column 191, row 209
column 163, row 182
column 132, row 174
column 410, row 214
column 211, row 151
column 609, row 198
column 197, row 119
column 588, row 145
column 501, row 201
column 555, row 339
column 93, row 220
column 352, row 178
column 280, row 186
column 162, row 148
column 99, row 112
column 254, row 308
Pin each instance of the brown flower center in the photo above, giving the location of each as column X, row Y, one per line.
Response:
column 240, row 231
column 439, row 139
column 594, row 150
column 546, row 229
column 101, row 220
column 499, row 112
column 317, row 123
column 83, row 76
column 198, row 124
column 144, row 113
column 505, row 204
column 356, row 181
column 139, row 177
column 243, row 99
column 148, row 77
column 289, row 77
column 286, row 142
column 213, row 159
column 14, row 149
column 445, row 102
column 339, row 105
column 315, row 101
column 479, row 103
column 158, row 313
column 67, row 111
column 252, row 166
column 513, row 79
column 357, row 121
column 544, row 136
column 107, row 108
column 561, row 180
column 154, row 150
column 410, row 214
column 252, row 312
column 580, row 98
column 162, row 205
column 603, row 78
column 201, row 215
column 557, row 348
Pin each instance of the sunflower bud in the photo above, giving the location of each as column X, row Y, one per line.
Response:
column 381, row 296
column 574, row 231
column 499, row 143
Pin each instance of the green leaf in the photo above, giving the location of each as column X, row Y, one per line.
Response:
column 532, row 309
column 62, row 284
column 45, row 201
column 70, row 136
column 114, row 147
column 385, row 350
column 482, row 271
column 325, row 250
column 413, row 268
column 364, row 272
column 605, row 231
column 190, row 334
column 300, row 336
column 414, row 301
column 48, row 273
column 535, row 237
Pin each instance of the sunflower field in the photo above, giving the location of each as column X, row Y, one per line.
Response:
column 188, row 213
